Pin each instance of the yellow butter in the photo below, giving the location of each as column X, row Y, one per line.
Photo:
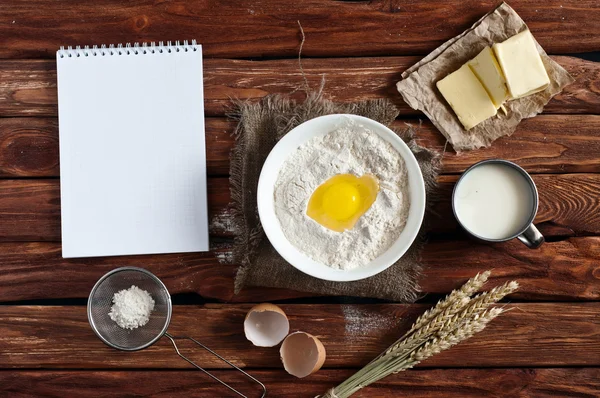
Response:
column 467, row 97
column 522, row 65
column 487, row 70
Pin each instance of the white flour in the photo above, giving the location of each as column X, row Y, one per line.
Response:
column 131, row 307
column 350, row 149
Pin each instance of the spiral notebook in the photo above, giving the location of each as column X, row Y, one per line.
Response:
column 132, row 150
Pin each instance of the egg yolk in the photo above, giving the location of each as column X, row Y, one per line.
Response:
column 339, row 202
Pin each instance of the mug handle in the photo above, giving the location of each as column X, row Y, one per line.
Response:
column 531, row 237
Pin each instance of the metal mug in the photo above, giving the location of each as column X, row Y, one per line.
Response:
column 529, row 235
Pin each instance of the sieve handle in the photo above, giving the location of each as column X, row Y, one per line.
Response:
column 173, row 338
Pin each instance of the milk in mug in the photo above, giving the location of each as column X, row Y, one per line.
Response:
column 494, row 201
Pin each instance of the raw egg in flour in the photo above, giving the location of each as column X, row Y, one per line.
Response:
column 339, row 202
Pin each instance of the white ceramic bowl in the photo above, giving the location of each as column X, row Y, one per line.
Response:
column 266, row 210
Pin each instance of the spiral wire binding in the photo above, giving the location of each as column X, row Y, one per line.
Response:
column 128, row 49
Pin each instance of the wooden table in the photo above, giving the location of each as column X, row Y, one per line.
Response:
column 549, row 345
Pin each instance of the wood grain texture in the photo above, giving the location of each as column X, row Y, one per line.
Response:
column 30, row 209
column 417, row 383
column 568, row 204
column 566, row 270
column 561, row 336
column 544, row 334
column 582, row 200
column 38, row 271
column 544, row 144
column 266, row 28
column 28, row 87
column 29, row 146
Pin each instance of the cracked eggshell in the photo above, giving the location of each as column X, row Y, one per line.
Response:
column 266, row 325
column 302, row 354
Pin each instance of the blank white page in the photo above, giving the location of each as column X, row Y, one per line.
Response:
column 132, row 151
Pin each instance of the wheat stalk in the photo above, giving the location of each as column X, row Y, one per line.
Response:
column 434, row 346
column 466, row 331
column 455, row 319
column 432, row 320
column 438, row 322
column 484, row 300
column 466, row 290
column 441, row 313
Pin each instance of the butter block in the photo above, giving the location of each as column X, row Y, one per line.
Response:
column 522, row 65
column 467, row 97
column 486, row 68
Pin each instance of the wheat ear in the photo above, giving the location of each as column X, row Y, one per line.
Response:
column 450, row 322
column 466, row 290
column 438, row 315
column 438, row 322
column 435, row 345
column 468, row 329
column 484, row 300
column 453, row 320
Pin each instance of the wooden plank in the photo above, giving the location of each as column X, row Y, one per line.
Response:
column 568, row 204
column 29, row 146
column 28, row 87
column 30, row 209
column 566, row 270
column 545, row 144
column 265, row 28
column 416, row 383
column 38, row 271
column 563, row 270
column 528, row 335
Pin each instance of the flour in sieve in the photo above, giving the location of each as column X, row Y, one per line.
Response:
column 351, row 149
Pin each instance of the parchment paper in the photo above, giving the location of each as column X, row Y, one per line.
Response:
column 419, row 91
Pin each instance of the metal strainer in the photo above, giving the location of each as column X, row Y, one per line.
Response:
column 100, row 302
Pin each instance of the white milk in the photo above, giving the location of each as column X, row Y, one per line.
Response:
column 494, row 201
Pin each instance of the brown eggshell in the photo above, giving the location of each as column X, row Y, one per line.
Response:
column 302, row 354
column 266, row 325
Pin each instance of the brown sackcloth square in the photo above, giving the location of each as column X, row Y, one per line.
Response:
column 260, row 126
column 419, row 91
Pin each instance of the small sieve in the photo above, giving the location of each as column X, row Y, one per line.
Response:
column 100, row 302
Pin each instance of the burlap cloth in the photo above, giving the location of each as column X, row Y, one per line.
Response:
column 260, row 126
column 419, row 91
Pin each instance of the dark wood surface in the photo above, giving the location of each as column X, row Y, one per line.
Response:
column 547, row 345
column 30, row 208
column 449, row 383
column 545, row 144
column 250, row 29
column 530, row 334
column 28, row 87
column 564, row 270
